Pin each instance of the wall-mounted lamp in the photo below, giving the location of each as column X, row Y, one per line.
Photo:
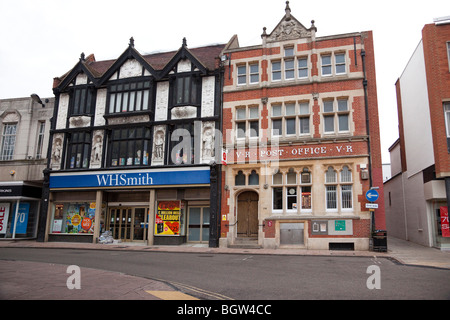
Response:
column 36, row 99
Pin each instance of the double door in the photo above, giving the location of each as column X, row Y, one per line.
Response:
column 128, row 224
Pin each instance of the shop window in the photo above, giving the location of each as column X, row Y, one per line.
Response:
column 129, row 147
column 295, row 195
column 82, row 101
column 77, row 217
column 198, row 224
column 129, row 97
column 78, row 151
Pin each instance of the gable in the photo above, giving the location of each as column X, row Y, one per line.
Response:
column 129, row 64
column 290, row 28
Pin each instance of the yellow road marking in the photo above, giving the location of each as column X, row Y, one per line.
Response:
column 171, row 295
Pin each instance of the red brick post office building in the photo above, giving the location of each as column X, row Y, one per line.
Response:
column 301, row 138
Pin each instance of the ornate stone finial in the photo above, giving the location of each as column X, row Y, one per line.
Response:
column 264, row 34
column 313, row 27
column 184, row 42
column 288, row 11
column 131, row 44
column 82, row 58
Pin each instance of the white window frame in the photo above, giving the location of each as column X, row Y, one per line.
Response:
column 241, row 75
column 284, row 117
column 302, row 68
column 333, row 64
column 8, row 141
column 40, row 139
column 248, row 119
column 447, row 117
column 448, row 54
column 336, row 114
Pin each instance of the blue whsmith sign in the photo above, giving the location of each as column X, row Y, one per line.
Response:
column 130, row 178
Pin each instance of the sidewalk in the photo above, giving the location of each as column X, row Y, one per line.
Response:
column 30, row 280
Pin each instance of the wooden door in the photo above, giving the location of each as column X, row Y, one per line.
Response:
column 247, row 215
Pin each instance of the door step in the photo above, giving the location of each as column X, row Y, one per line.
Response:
column 245, row 243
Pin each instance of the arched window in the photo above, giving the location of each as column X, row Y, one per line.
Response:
column 330, row 175
column 306, row 176
column 291, row 176
column 239, row 179
column 346, row 175
column 253, row 179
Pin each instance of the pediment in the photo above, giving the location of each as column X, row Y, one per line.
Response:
column 290, row 28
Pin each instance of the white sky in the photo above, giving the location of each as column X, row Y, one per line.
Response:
column 40, row 40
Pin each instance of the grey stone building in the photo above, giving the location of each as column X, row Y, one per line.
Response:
column 24, row 136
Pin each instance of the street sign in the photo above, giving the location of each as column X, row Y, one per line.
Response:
column 372, row 195
column 371, row 205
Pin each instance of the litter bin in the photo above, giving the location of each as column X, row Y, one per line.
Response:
column 379, row 240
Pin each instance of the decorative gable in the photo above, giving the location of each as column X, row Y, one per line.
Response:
column 289, row 28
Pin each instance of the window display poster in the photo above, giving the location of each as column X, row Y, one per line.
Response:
column 79, row 218
column 4, row 214
column 22, row 217
column 445, row 225
column 167, row 221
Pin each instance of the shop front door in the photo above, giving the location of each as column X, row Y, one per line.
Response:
column 120, row 222
column 247, row 214
column 128, row 224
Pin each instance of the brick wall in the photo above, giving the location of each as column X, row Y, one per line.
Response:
column 435, row 38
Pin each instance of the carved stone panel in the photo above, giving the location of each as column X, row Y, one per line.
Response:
column 57, row 149
column 184, row 112
column 208, row 135
column 159, row 139
column 97, row 149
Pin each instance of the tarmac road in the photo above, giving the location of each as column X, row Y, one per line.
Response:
column 129, row 273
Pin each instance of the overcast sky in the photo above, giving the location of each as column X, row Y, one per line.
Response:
column 43, row 39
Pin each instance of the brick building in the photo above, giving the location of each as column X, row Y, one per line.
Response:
column 301, row 138
column 418, row 194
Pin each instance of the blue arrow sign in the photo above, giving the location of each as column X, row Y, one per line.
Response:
column 372, row 195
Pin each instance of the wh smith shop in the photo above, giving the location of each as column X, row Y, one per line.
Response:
column 132, row 149
column 154, row 206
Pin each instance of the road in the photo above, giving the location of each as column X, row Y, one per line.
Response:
column 260, row 277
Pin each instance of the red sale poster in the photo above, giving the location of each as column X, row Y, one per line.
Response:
column 444, row 222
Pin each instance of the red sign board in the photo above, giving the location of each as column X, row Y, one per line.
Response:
column 444, row 222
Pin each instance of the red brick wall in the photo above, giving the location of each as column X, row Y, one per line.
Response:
column 438, row 81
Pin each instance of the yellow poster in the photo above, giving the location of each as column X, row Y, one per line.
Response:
column 167, row 221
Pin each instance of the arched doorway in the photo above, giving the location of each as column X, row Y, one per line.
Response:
column 247, row 214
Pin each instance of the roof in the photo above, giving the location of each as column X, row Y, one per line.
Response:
column 207, row 56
